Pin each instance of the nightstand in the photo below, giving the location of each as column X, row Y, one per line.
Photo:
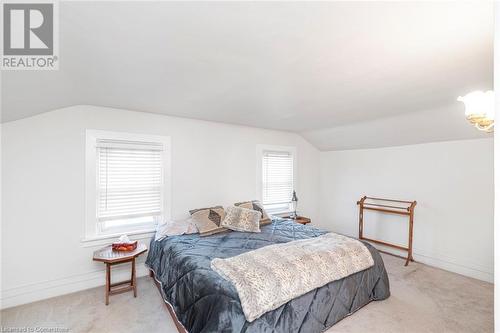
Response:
column 301, row 220
column 111, row 257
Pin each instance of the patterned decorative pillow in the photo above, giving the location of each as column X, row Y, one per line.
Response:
column 242, row 219
column 208, row 220
column 256, row 205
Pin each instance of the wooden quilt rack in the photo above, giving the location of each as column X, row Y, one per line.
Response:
column 390, row 206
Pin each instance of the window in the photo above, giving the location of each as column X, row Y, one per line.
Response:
column 277, row 181
column 127, row 182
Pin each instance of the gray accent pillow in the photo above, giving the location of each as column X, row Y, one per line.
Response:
column 242, row 219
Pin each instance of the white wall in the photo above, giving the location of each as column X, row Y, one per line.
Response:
column 212, row 163
column 452, row 183
column 43, row 187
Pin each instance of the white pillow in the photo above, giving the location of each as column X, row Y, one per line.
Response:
column 242, row 219
column 175, row 228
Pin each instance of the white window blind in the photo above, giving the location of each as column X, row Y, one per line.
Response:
column 129, row 181
column 277, row 179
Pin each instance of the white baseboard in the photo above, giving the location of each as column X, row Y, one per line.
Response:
column 447, row 263
column 480, row 273
column 48, row 289
column 438, row 260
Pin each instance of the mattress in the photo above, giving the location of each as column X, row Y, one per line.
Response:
column 205, row 302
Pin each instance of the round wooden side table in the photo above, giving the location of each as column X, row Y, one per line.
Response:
column 110, row 257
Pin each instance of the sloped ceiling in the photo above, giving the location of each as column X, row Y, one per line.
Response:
column 342, row 74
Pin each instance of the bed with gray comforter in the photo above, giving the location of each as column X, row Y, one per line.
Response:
column 205, row 302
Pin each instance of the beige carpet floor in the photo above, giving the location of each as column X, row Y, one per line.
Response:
column 424, row 299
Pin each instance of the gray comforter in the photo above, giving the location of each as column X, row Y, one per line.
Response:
column 205, row 302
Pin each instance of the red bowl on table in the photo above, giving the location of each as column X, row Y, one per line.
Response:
column 131, row 246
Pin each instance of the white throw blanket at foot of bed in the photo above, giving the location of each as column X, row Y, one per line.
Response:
column 269, row 277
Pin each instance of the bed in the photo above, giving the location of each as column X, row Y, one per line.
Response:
column 200, row 300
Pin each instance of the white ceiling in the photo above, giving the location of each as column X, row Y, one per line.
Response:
column 328, row 70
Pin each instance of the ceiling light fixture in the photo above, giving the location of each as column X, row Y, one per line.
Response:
column 480, row 109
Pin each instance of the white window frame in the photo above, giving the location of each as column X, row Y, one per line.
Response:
column 261, row 148
column 91, row 230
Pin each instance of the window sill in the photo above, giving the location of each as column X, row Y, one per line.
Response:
column 107, row 239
